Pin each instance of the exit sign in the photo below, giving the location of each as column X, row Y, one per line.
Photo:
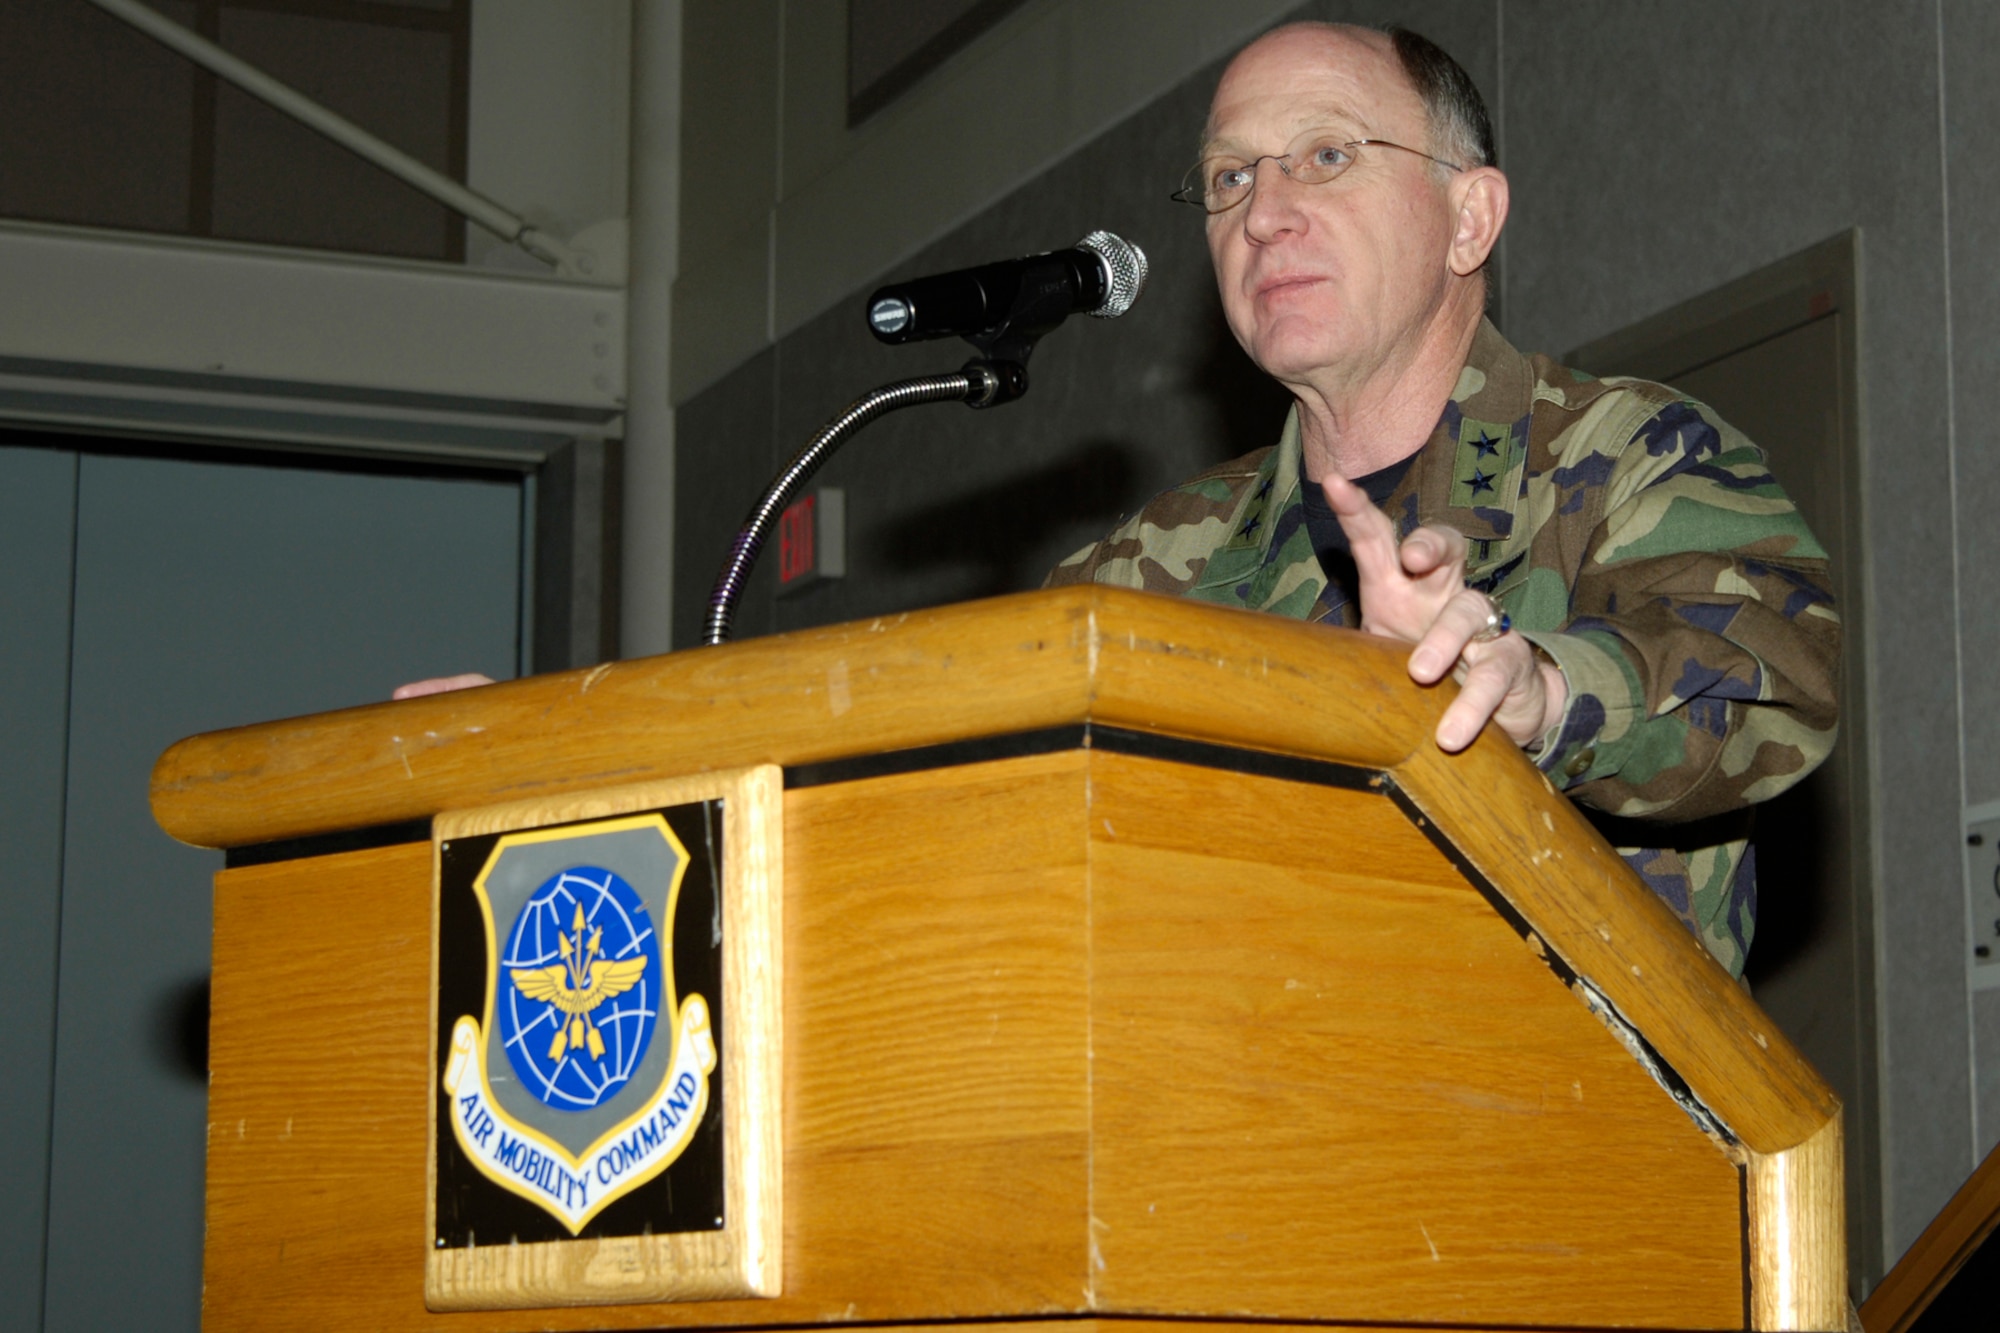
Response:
column 812, row 540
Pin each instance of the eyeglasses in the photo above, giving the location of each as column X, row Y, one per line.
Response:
column 1218, row 184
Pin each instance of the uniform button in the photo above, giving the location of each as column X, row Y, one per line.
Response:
column 1580, row 763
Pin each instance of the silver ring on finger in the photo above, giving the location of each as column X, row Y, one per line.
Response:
column 1498, row 622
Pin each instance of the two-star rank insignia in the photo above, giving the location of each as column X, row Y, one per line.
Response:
column 1488, row 453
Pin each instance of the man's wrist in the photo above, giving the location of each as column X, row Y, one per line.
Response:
column 1555, row 699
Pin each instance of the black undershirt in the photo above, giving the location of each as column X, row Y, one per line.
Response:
column 1329, row 540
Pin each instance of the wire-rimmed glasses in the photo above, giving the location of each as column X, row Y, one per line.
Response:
column 1218, row 184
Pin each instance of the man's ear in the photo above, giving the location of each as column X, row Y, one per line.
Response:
column 1479, row 207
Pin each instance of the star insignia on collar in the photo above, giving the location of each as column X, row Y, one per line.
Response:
column 1486, row 445
column 1482, row 482
column 1265, row 490
column 1251, row 525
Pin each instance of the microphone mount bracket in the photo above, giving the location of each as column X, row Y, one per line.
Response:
column 994, row 382
column 1042, row 302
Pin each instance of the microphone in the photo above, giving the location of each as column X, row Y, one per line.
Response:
column 1015, row 300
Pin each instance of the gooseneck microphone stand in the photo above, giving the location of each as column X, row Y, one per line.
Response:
column 980, row 384
column 1001, row 309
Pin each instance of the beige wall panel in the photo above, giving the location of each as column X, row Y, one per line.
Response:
column 1344, row 1072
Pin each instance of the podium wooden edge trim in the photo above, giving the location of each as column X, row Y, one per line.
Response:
column 991, row 668
column 1953, row 1236
column 1601, row 925
column 1796, row 1203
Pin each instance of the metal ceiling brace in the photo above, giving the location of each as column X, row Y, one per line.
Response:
column 502, row 222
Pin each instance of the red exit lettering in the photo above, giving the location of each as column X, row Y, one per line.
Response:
column 795, row 540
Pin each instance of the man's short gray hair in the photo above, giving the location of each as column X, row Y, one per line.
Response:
column 1461, row 131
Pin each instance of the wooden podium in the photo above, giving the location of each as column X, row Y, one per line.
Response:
column 1142, row 961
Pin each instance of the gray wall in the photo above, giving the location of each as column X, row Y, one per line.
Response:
column 549, row 97
column 1972, row 350
column 789, row 206
column 1656, row 151
column 1754, row 131
column 944, row 503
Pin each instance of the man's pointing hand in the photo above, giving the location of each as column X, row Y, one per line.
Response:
column 1415, row 591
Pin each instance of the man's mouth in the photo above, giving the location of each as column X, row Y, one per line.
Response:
column 1286, row 284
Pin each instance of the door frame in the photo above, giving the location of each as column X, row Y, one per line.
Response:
column 1820, row 281
column 569, row 460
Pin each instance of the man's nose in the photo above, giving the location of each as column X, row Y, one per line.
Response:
column 1272, row 207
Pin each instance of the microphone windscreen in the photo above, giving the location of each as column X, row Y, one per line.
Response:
column 1124, row 266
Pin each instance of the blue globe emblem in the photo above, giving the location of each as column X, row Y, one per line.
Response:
column 580, row 988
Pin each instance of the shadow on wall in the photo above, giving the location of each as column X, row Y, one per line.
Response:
column 1012, row 531
column 180, row 1029
column 1793, row 909
column 1001, row 528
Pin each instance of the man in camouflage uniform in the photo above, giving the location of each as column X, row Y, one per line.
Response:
column 1606, row 566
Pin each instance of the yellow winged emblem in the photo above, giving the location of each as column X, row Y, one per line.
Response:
column 577, row 985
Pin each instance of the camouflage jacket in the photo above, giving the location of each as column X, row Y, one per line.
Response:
column 1637, row 539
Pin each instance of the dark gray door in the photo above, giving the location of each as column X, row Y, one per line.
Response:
column 37, row 518
column 202, row 593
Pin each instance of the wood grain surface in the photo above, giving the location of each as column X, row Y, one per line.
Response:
column 939, row 1065
column 1797, row 1208
column 1590, row 910
column 1069, row 655
column 977, row 669
column 935, row 1071
column 1958, row 1230
column 1140, row 1324
column 1322, row 1059
column 745, row 1257
column 1066, row 1035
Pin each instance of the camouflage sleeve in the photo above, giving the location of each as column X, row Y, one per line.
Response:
column 1079, row 566
column 1144, row 552
column 1701, row 647
column 1165, row 546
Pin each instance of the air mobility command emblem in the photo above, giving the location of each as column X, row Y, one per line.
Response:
column 606, row 1112
column 587, row 1075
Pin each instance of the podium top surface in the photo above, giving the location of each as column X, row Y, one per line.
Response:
column 997, row 667
column 1083, row 656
